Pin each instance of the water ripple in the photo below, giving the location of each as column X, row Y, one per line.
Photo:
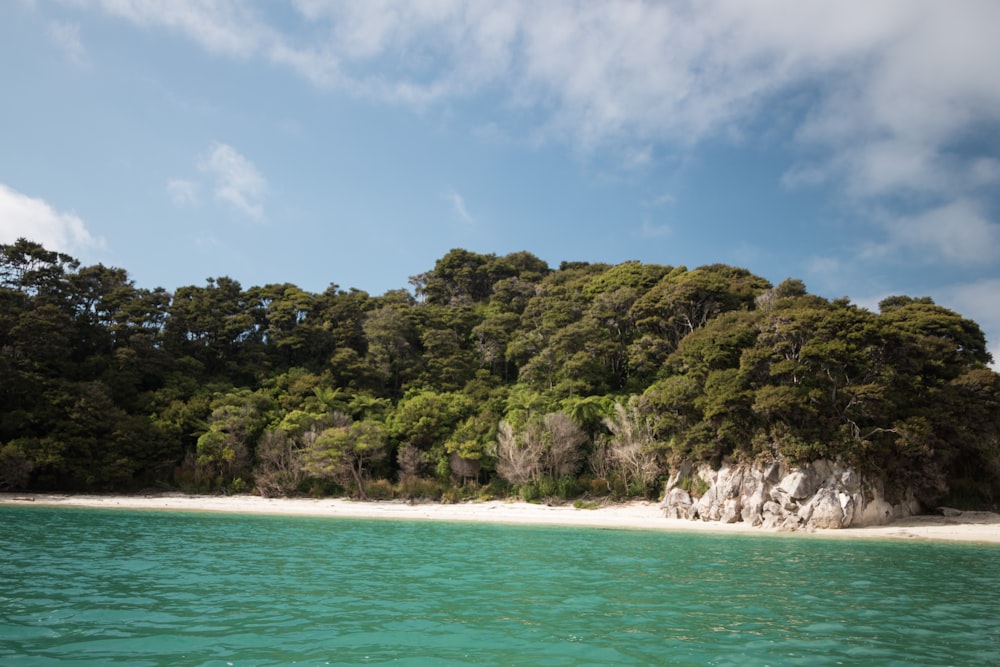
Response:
column 93, row 587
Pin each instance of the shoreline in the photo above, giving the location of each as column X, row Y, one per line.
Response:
column 972, row 527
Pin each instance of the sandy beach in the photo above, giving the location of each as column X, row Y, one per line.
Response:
column 981, row 527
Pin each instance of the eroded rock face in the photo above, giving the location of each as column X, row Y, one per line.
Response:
column 799, row 484
column 677, row 504
column 823, row 494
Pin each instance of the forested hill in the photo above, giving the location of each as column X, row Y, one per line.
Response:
column 495, row 375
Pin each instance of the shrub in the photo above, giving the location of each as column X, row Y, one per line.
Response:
column 380, row 489
column 528, row 492
column 452, row 495
column 694, row 484
column 595, row 486
column 323, row 488
column 420, row 488
column 497, row 488
column 568, row 487
column 15, row 465
column 970, row 494
column 547, row 487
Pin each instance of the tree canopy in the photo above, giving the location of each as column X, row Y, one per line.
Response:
column 496, row 372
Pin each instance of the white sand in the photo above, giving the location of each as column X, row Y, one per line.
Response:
column 967, row 527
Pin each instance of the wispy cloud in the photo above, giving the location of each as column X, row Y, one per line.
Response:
column 660, row 200
column 183, row 192
column 893, row 86
column 638, row 157
column 458, row 206
column 66, row 36
column 956, row 233
column 897, row 70
column 36, row 220
column 650, row 230
column 236, row 180
column 219, row 26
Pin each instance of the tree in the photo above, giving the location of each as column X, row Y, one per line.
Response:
column 471, row 447
column 458, row 277
column 565, row 441
column 225, row 450
column 346, row 454
column 15, row 465
column 546, row 446
column 27, row 267
column 217, row 326
column 280, row 464
column 464, row 277
column 632, row 449
column 519, row 459
column 393, row 342
column 686, row 300
column 588, row 412
column 426, row 420
column 107, row 386
column 282, row 313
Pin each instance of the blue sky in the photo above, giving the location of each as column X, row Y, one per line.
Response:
column 855, row 146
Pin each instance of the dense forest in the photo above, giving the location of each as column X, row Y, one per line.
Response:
column 488, row 376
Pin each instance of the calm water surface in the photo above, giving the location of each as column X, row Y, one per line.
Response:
column 100, row 587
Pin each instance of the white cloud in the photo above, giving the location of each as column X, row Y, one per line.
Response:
column 892, row 70
column 883, row 91
column 957, row 233
column 66, row 36
column 219, row 26
column 649, row 230
column 638, row 157
column 664, row 199
column 236, row 180
column 889, row 127
column 823, row 265
column 459, row 207
column 36, row 220
column 183, row 192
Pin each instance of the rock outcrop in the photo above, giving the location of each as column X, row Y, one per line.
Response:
column 821, row 494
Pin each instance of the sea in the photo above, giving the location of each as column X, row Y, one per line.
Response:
column 131, row 587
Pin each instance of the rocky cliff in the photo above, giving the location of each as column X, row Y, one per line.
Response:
column 821, row 494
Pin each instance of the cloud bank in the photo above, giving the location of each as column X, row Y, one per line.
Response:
column 36, row 220
column 885, row 101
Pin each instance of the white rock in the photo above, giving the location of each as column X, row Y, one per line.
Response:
column 677, row 503
column 731, row 509
column 827, row 511
column 877, row 512
column 799, row 484
column 823, row 494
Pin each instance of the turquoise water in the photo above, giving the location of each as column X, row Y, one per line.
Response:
column 100, row 587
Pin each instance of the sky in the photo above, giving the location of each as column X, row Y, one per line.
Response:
column 852, row 145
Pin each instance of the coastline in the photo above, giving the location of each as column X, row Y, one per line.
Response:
column 975, row 527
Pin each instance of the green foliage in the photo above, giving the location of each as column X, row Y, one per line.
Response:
column 107, row 386
column 425, row 418
column 225, row 449
column 380, row 489
column 412, row 487
column 347, row 453
column 694, row 485
column 15, row 465
column 581, row 504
